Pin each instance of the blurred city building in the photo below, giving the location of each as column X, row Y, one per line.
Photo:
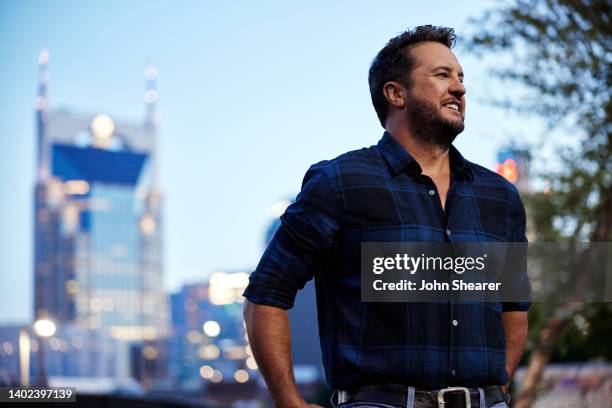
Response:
column 71, row 351
column 514, row 164
column 97, row 230
column 9, row 354
column 209, row 352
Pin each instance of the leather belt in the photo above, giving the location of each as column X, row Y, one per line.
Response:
column 438, row 398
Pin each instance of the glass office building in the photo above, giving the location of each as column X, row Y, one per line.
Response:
column 97, row 229
column 209, row 344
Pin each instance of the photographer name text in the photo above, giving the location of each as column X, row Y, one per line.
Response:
column 454, row 285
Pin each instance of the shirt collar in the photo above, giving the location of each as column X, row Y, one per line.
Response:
column 399, row 159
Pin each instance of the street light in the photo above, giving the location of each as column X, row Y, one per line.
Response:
column 24, row 357
column 43, row 328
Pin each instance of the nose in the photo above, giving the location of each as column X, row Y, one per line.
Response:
column 457, row 89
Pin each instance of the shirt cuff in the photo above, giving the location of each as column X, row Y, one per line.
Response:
column 282, row 302
column 515, row 306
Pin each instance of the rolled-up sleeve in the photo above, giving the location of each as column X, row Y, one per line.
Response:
column 308, row 230
column 515, row 283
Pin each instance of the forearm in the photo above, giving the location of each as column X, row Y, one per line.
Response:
column 270, row 338
column 516, row 328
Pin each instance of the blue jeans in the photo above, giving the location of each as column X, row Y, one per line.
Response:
column 375, row 405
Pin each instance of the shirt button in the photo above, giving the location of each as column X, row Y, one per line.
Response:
column 432, row 192
column 448, row 232
column 453, row 372
column 455, row 323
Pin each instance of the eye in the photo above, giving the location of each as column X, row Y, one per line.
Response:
column 442, row 74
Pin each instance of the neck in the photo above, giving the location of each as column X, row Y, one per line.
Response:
column 433, row 159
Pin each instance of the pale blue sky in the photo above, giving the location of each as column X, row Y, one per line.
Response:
column 251, row 93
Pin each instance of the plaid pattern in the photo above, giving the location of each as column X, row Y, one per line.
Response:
column 379, row 194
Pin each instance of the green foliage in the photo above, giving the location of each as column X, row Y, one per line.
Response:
column 588, row 336
column 559, row 53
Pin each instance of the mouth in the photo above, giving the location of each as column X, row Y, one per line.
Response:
column 453, row 105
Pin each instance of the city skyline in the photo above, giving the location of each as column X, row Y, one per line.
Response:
column 241, row 120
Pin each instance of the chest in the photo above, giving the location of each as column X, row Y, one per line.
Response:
column 442, row 184
column 405, row 208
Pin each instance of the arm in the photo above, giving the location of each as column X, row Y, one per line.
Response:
column 270, row 338
column 307, row 232
column 515, row 326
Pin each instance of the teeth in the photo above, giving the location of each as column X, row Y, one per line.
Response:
column 452, row 106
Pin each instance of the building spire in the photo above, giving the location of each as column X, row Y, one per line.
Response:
column 42, row 104
column 43, row 79
column 150, row 96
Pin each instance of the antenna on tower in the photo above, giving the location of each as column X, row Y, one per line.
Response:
column 42, row 103
column 43, row 79
column 150, row 96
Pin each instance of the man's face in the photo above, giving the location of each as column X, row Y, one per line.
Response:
column 436, row 96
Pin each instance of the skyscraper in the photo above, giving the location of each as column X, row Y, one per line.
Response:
column 97, row 220
column 514, row 164
column 209, row 345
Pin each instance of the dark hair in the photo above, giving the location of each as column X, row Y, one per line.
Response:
column 394, row 62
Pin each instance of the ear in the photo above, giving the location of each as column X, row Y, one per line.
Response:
column 395, row 93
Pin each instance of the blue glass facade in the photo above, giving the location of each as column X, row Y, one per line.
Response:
column 96, row 165
column 98, row 245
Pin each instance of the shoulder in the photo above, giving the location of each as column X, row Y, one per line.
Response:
column 332, row 177
column 359, row 162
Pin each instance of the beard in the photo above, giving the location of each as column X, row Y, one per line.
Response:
column 428, row 124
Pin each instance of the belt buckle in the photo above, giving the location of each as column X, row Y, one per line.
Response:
column 443, row 391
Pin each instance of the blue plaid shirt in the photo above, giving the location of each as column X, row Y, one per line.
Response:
column 379, row 194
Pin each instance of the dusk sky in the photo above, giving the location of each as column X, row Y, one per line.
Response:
column 250, row 94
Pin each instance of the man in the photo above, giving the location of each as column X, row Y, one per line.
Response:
column 413, row 186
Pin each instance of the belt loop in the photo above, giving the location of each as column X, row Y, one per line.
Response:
column 331, row 399
column 483, row 402
column 410, row 398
